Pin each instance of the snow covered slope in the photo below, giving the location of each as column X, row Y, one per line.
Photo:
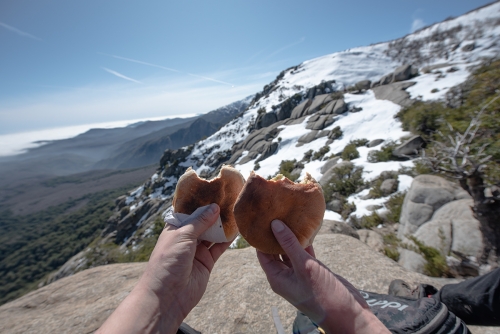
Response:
column 443, row 54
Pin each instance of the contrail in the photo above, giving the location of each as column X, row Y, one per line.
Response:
column 167, row 69
column 119, row 75
column 286, row 47
column 19, row 32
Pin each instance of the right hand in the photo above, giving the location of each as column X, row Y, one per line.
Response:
column 327, row 299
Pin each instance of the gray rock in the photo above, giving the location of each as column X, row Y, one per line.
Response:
column 411, row 261
column 249, row 157
column 308, row 137
column 340, row 107
column 336, row 227
column 394, row 92
column 301, row 109
column 402, row 73
column 389, row 186
column 335, row 205
column 296, row 172
column 375, row 142
column 414, row 71
column 426, row 194
column 375, row 84
column 363, row 85
column 355, row 109
column 386, row 79
column 436, row 233
column 237, row 286
column 323, row 133
column 316, row 103
column 467, row 235
column 268, row 119
column 329, row 164
column 469, row 47
column 313, row 118
column 372, row 239
column 328, row 109
column 269, row 150
column 410, row 147
column 374, row 207
column 321, row 123
column 331, row 172
column 234, row 157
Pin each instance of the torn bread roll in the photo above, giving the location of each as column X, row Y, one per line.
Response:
column 300, row 206
column 193, row 192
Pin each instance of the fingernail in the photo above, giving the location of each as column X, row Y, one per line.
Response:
column 277, row 225
column 213, row 208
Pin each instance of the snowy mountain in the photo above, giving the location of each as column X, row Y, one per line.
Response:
column 311, row 113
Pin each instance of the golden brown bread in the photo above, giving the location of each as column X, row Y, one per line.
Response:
column 193, row 192
column 300, row 206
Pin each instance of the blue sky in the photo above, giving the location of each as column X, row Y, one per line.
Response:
column 77, row 62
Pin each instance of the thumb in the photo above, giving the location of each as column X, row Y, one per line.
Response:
column 201, row 219
column 288, row 241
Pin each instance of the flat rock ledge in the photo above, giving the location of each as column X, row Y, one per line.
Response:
column 238, row 298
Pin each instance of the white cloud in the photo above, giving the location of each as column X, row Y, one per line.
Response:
column 119, row 75
column 417, row 24
column 18, row 31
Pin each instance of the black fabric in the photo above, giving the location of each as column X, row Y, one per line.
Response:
column 403, row 315
column 476, row 301
column 186, row 329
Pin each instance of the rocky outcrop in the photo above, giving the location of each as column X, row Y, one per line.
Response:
column 238, row 298
column 426, row 194
column 301, row 109
column 363, row 85
column 389, row 186
column 394, row 92
column 439, row 214
column 331, row 172
column 375, row 142
column 372, row 239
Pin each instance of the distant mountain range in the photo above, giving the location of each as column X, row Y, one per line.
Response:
column 136, row 145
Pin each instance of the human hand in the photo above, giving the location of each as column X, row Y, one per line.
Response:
column 328, row 299
column 174, row 280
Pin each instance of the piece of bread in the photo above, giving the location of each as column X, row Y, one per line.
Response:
column 193, row 192
column 301, row 206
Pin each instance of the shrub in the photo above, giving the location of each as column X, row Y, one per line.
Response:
column 336, row 133
column 286, row 168
column 350, row 152
column 307, row 156
column 436, row 263
column 394, row 205
column 321, row 153
column 384, row 154
column 256, row 166
column 434, row 90
column 368, row 222
column 261, row 111
column 347, row 210
column 392, row 253
column 421, row 117
column 360, row 142
column 346, row 181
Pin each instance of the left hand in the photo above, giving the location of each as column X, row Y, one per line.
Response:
column 174, row 281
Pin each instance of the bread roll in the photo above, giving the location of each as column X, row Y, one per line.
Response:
column 193, row 192
column 301, row 206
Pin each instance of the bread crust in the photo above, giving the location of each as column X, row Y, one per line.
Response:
column 193, row 192
column 301, row 206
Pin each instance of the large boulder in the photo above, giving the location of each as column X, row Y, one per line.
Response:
column 394, row 92
column 402, row 73
column 329, row 164
column 301, row 109
column 238, row 298
column 363, row 85
column 375, row 142
column 321, row 122
column 389, row 186
column 308, row 137
column 410, row 147
column 265, row 120
column 268, row 150
column 318, row 101
column 426, row 194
